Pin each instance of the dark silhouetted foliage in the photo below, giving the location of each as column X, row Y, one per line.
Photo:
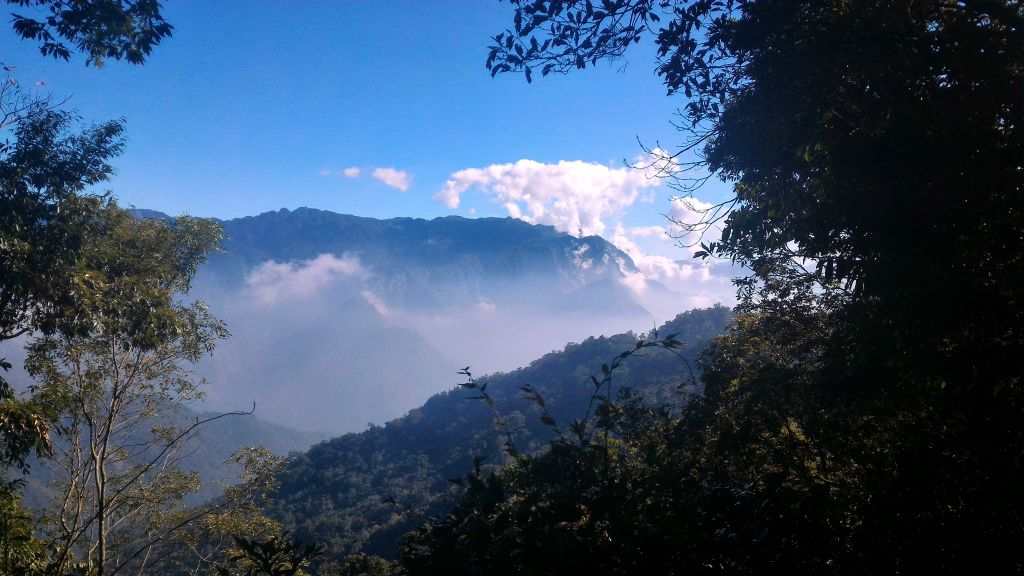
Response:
column 275, row 556
column 101, row 29
column 864, row 413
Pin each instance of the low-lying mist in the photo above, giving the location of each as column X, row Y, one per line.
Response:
column 316, row 348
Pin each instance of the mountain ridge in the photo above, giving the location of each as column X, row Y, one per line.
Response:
column 293, row 285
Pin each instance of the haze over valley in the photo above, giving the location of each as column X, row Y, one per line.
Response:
column 338, row 321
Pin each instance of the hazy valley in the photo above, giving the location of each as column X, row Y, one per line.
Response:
column 338, row 321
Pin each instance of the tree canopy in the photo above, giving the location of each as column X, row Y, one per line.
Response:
column 864, row 413
column 875, row 151
column 46, row 170
column 101, row 29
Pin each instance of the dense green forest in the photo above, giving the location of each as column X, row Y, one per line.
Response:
column 862, row 413
column 360, row 492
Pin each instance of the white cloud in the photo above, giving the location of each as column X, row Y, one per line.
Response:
column 570, row 195
column 580, row 259
column 655, row 267
column 350, row 172
column 692, row 216
column 635, row 281
column 273, row 282
column 377, row 302
column 693, row 283
column 399, row 179
column 576, row 196
column 648, row 232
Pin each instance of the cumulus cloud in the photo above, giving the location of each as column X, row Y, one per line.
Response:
column 273, row 282
column 351, row 172
column 653, row 266
column 577, row 196
column 691, row 221
column 399, row 179
column 325, row 172
column 691, row 283
column 648, row 232
column 569, row 195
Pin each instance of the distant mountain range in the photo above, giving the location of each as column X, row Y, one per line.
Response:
column 341, row 320
column 444, row 263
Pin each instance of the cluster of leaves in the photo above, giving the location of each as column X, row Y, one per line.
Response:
column 558, row 36
column 21, row 554
column 275, row 556
column 101, row 29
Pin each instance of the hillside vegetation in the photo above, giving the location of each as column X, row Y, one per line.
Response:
column 361, row 492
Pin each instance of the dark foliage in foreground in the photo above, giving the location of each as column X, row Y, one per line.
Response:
column 864, row 413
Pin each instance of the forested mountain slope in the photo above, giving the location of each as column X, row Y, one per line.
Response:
column 362, row 491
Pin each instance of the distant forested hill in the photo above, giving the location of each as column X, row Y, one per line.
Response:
column 362, row 491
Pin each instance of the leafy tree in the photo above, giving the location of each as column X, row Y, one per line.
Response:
column 45, row 218
column 836, row 120
column 45, row 170
column 864, row 413
column 109, row 378
column 45, row 211
column 873, row 149
column 101, row 29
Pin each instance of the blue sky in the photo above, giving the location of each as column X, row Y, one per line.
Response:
column 255, row 106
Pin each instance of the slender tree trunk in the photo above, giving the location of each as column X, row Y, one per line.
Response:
column 100, row 481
